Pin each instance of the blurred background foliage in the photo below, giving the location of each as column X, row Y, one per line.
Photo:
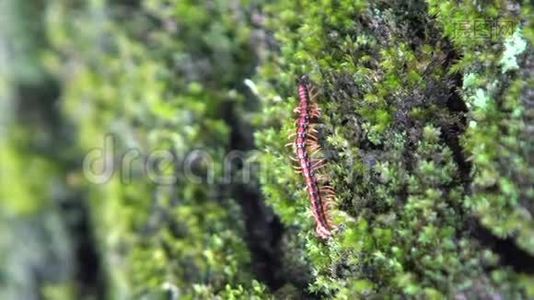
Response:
column 427, row 121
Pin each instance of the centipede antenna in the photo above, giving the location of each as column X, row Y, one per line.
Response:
column 314, row 93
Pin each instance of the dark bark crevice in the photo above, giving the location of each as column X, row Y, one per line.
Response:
column 263, row 228
column 509, row 253
column 88, row 272
column 38, row 110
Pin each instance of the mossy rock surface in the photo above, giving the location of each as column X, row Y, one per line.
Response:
column 426, row 127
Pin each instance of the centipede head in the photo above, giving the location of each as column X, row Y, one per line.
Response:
column 304, row 79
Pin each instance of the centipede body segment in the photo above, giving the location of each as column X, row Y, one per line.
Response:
column 306, row 149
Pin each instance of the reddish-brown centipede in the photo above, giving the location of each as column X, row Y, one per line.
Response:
column 306, row 149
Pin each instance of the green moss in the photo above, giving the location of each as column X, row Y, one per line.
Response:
column 172, row 238
column 396, row 167
column 425, row 125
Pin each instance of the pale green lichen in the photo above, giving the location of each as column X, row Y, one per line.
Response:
column 513, row 46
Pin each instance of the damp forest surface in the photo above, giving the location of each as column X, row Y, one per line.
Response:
column 147, row 149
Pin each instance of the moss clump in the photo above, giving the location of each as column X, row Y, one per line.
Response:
column 426, row 127
column 496, row 81
column 160, row 82
column 394, row 117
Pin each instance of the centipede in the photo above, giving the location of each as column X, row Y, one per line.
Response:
column 308, row 156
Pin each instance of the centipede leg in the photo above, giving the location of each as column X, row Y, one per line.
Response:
column 312, row 137
column 318, row 164
column 314, row 147
column 322, row 178
column 314, row 107
column 328, row 200
column 312, row 129
column 314, row 152
column 313, row 93
column 327, row 188
column 327, row 192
